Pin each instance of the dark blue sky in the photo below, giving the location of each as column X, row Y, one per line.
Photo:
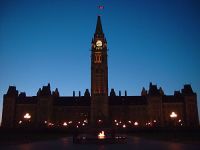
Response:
column 45, row 41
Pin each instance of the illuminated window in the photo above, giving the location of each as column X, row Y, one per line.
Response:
column 99, row 48
column 97, row 58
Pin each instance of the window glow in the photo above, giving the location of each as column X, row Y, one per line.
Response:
column 98, row 58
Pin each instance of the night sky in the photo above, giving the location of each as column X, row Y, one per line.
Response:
column 44, row 41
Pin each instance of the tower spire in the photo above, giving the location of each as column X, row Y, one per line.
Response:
column 99, row 76
column 99, row 29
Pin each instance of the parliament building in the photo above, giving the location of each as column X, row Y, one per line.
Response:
column 98, row 106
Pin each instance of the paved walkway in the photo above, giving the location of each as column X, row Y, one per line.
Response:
column 134, row 143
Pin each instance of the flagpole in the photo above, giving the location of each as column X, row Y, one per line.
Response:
column 100, row 8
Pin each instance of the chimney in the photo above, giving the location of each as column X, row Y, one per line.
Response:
column 119, row 93
column 74, row 94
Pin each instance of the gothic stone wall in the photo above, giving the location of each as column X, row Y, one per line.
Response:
column 21, row 110
column 70, row 113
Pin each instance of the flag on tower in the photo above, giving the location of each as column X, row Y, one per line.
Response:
column 101, row 7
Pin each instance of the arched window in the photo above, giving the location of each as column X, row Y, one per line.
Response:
column 97, row 58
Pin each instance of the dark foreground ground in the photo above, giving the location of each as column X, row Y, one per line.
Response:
column 137, row 139
column 133, row 143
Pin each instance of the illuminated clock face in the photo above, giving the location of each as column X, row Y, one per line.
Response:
column 98, row 43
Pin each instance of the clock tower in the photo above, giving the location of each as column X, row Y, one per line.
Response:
column 99, row 77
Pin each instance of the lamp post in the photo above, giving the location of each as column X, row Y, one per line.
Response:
column 173, row 116
column 27, row 118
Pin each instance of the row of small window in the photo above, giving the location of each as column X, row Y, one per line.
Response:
column 99, row 91
column 99, row 71
column 97, row 58
column 98, row 48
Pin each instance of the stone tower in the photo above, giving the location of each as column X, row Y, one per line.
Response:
column 9, row 107
column 99, row 77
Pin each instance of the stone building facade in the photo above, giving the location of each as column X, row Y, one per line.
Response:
column 100, row 108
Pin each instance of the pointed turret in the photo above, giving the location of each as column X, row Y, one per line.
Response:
column 99, row 29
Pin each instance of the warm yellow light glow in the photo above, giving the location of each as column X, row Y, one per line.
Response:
column 45, row 122
column 83, row 124
column 27, row 116
column 101, row 135
column 173, row 115
column 51, row 124
column 117, row 124
column 124, row 126
column 99, row 120
column 129, row 121
column 154, row 121
column 86, row 121
column 64, row 124
column 98, row 58
column 136, row 123
column 115, row 120
column 20, row 122
column 98, row 43
column 70, row 122
column 179, row 120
